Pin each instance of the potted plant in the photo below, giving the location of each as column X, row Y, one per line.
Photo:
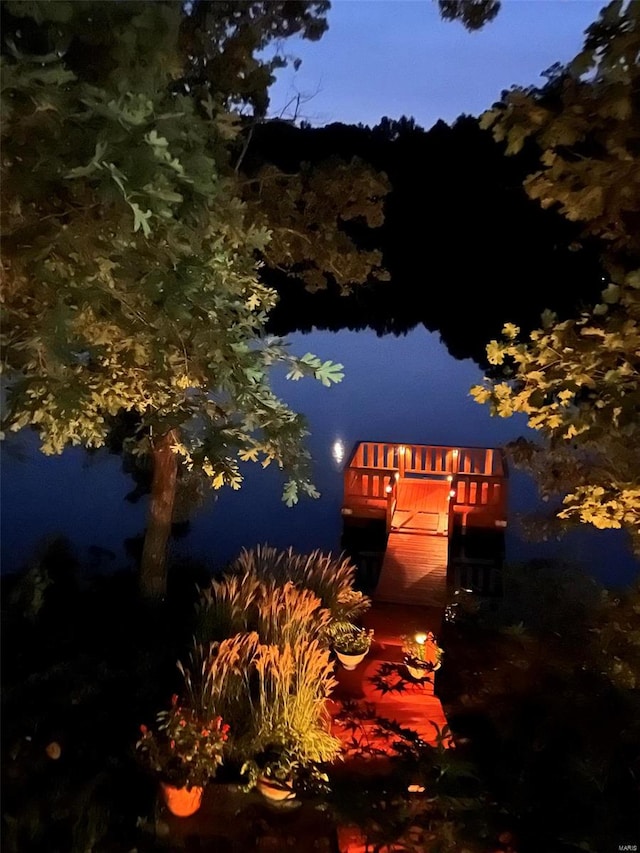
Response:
column 350, row 643
column 184, row 750
column 422, row 654
column 273, row 773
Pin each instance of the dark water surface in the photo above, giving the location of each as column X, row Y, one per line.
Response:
column 397, row 389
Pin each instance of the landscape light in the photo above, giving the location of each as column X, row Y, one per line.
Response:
column 388, row 490
column 420, row 638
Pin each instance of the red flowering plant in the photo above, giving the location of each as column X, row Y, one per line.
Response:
column 184, row 749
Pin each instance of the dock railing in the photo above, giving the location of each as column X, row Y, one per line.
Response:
column 477, row 475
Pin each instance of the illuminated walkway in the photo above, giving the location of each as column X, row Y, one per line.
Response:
column 371, row 686
column 365, row 689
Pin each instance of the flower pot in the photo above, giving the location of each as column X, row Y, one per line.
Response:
column 420, row 671
column 182, row 802
column 350, row 661
column 274, row 790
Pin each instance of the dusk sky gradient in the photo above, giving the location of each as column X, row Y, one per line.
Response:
column 398, row 57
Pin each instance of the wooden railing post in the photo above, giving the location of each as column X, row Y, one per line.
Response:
column 488, row 462
column 391, row 491
column 401, row 459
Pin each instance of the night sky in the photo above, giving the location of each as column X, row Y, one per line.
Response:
column 398, row 57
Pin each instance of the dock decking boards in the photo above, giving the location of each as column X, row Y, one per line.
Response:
column 414, row 570
column 423, row 505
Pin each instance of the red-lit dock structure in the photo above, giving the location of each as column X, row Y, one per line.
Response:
column 425, row 495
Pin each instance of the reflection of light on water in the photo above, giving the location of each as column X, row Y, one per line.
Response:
column 337, row 451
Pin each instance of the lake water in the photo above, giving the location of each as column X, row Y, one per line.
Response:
column 396, row 389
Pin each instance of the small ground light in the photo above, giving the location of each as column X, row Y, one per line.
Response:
column 388, row 490
column 420, row 638
column 452, row 493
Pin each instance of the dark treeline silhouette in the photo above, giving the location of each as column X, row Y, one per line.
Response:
column 465, row 247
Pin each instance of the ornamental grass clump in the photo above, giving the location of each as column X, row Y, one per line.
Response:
column 185, row 748
column 331, row 579
column 218, row 678
column 227, row 607
column 288, row 616
column 272, row 681
column 293, row 684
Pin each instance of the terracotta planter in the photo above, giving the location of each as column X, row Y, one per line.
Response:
column 350, row 661
column 274, row 791
column 181, row 801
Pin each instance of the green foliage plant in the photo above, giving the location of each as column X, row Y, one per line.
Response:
column 585, row 123
column 472, row 14
column 319, row 198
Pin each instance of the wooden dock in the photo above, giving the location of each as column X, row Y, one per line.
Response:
column 423, row 494
column 414, row 570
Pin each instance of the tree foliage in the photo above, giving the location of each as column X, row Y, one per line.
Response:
column 229, row 45
column 578, row 380
column 472, row 14
column 131, row 263
column 131, row 280
column 586, row 125
column 471, row 198
column 305, row 213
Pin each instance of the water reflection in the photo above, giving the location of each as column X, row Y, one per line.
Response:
column 427, row 402
column 337, row 451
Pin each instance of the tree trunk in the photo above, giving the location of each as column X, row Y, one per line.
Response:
column 153, row 568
